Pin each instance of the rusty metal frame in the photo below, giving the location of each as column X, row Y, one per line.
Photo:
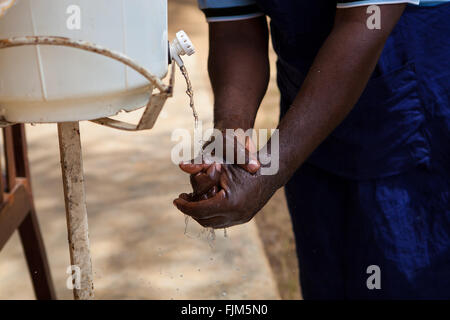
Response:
column 150, row 115
column 76, row 211
column 17, row 206
column 17, row 211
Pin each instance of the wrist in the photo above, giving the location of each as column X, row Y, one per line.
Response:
column 234, row 124
column 269, row 157
column 233, row 116
column 270, row 182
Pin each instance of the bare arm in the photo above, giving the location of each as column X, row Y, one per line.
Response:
column 333, row 85
column 239, row 70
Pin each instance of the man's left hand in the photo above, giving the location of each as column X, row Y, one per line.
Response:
column 240, row 196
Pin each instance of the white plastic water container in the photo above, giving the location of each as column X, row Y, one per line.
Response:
column 54, row 84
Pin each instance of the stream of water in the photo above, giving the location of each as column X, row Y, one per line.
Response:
column 211, row 235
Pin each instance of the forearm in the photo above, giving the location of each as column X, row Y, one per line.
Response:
column 333, row 85
column 239, row 71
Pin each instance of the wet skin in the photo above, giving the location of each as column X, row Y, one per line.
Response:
column 227, row 195
column 236, row 198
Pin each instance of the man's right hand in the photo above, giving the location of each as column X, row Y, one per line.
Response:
column 205, row 172
column 238, row 67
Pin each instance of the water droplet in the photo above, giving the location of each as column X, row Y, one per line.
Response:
column 186, row 221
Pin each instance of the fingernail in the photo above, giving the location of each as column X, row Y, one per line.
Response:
column 253, row 166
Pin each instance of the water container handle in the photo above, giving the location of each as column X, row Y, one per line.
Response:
column 87, row 46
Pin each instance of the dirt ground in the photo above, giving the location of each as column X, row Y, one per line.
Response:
column 137, row 241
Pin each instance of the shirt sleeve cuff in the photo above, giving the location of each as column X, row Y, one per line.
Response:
column 232, row 13
column 351, row 4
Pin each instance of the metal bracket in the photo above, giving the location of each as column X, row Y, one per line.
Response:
column 150, row 115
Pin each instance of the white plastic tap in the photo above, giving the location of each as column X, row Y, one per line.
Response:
column 180, row 46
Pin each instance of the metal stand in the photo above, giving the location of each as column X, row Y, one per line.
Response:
column 17, row 211
column 76, row 213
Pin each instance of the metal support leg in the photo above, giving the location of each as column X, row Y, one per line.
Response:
column 17, row 211
column 76, row 213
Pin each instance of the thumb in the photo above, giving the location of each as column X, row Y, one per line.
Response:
column 193, row 168
column 253, row 164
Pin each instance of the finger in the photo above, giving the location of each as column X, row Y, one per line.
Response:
column 203, row 182
column 203, row 209
column 252, row 166
column 245, row 154
column 225, row 180
column 193, row 168
column 213, row 172
column 186, row 197
column 250, row 146
column 212, row 192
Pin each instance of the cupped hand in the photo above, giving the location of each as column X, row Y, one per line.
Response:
column 243, row 147
column 205, row 169
column 236, row 198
